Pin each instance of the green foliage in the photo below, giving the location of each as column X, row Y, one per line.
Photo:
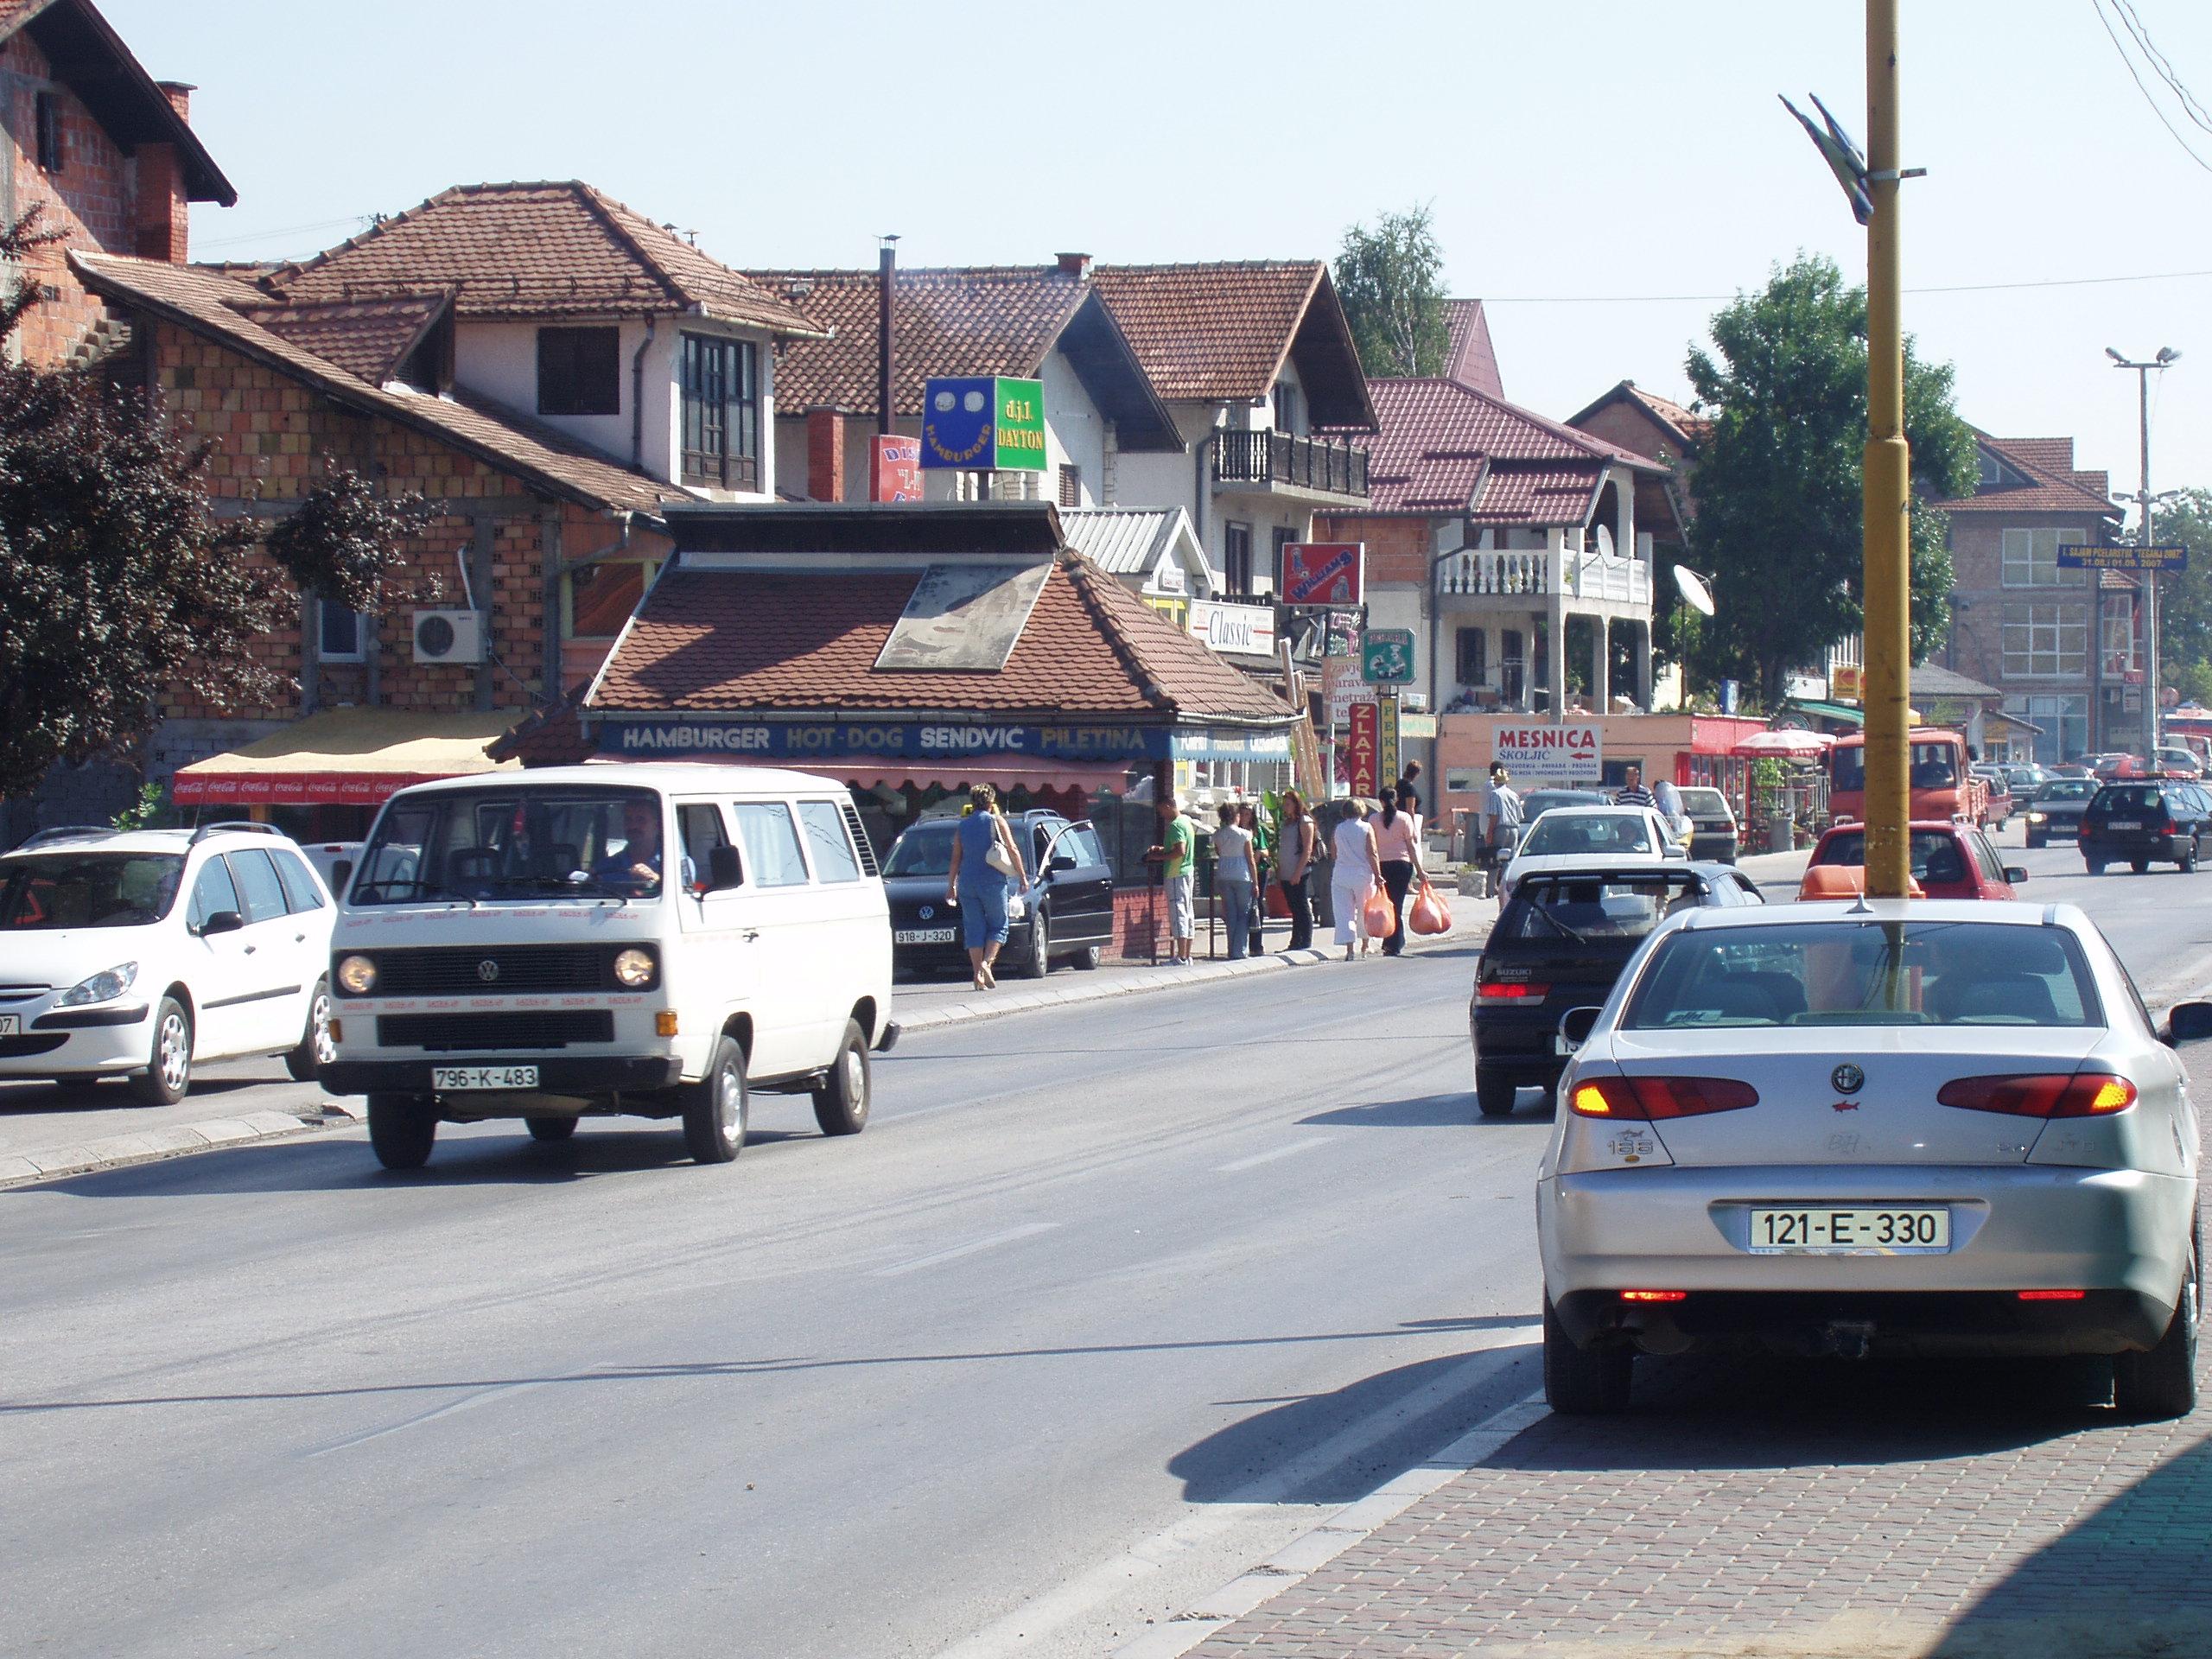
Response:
column 2186, row 598
column 1391, row 282
column 151, row 806
column 1778, row 480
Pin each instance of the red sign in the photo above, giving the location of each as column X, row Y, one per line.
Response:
column 1322, row 573
column 1363, row 747
column 894, row 471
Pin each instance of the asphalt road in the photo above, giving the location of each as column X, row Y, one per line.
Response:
column 1108, row 1303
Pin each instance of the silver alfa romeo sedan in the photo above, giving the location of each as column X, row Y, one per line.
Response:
column 1915, row 1127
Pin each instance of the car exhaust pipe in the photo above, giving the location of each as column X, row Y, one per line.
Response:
column 1848, row 1338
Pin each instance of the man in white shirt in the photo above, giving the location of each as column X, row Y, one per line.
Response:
column 1501, row 812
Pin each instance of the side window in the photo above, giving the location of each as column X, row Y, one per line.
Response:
column 1992, row 867
column 257, row 884
column 825, row 839
column 770, row 843
column 212, row 892
column 299, row 886
column 1086, row 846
column 700, row 823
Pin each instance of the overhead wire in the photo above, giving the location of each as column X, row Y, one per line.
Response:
column 2135, row 75
column 2162, row 64
column 1948, row 287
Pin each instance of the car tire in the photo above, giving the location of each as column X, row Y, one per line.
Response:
column 549, row 1128
column 315, row 1051
column 2036, row 841
column 1494, row 1092
column 2161, row 1383
column 402, row 1130
column 715, row 1108
column 1034, row 960
column 168, row 1075
column 1583, row 1382
column 1087, row 959
column 2093, row 866
column 2141, row 866
column 841, row 1098
column 2187, row 862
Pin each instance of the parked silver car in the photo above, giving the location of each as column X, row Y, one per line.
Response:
column 1932, row 1126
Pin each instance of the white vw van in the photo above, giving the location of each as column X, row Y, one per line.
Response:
column 649, row 940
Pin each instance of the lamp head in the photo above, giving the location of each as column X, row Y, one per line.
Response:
column 2115, row 357
column 2167, row 354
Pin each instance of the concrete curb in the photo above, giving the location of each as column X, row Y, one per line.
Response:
column 170, row 1141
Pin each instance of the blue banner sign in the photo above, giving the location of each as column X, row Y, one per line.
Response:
column 2073, row 556
column 873, row 740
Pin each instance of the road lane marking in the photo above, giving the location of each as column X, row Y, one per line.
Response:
column 969, row 1248
column 1269, row 1156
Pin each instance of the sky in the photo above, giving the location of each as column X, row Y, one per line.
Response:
column 1604, row 174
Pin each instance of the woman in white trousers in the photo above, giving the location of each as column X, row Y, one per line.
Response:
column 1358, row 869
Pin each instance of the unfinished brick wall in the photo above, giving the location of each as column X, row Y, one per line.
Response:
column 1398, row 549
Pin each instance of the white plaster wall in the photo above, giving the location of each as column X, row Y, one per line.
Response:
column 1155, row 478
column 1399, row 605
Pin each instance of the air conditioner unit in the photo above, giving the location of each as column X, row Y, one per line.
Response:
column 448, row 637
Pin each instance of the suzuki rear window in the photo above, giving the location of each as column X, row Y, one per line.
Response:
column 1870, row 973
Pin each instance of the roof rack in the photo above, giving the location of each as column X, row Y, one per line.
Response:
column 225, row 825
column 65, row 832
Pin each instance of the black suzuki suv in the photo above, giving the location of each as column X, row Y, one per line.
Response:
column 2146, row 821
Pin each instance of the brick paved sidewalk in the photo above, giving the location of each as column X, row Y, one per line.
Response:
column 1785, row 1509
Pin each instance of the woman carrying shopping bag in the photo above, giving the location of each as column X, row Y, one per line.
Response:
column 1358, row 873
column 1397, row 844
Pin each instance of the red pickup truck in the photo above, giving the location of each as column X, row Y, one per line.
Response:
column 1942, row 786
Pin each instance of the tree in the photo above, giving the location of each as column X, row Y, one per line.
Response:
column 1779, row 518
column 1391, row 282
column 2185, row 596
column 116, row 577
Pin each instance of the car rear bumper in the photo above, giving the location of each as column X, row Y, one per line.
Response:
column 2106, row 845
column 1717, row 846
column 2121, row 1235
column 1927, row 1323
column 1520, row 1046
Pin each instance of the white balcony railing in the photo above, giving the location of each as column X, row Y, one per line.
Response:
column 1519, row 572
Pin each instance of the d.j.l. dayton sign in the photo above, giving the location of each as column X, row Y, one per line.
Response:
column 983, row 423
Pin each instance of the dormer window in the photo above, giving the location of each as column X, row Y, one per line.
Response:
column 1991, row 474
column 579, row 371
column 722, row 413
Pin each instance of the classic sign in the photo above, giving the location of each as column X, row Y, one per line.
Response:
column 1235, row 629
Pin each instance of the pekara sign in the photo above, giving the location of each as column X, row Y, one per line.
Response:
column 1322, row 573
column 1233, row 630
column 983, row 423
column 1571, row 754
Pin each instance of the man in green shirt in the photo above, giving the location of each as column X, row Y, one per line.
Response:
column 1179, row 845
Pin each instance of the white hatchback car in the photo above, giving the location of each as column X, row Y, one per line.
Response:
column 136, row 954
column 1570, row 837
column 1918, row 1126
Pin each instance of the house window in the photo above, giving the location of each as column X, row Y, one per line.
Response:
column 1286, row 411
column 579, row 371
column 1284, row 537
column 2046, row 641
column 2120, row 651
column 1071, row 488
column 1513, row 667
column 2031, row 558
column 722, row 413
column 340, row 634
column 46, row 118
column 1474, row 655
column 1236, row 557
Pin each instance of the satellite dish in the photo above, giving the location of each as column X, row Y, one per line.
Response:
column 1605, row 543
column 1694, row 592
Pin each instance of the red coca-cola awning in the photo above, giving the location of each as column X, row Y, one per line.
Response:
column 345, row 757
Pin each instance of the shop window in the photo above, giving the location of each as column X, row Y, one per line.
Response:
column 579, row 371
column 722, row 413
column 341, row 636
column 1236, row 557
column 1474, row 655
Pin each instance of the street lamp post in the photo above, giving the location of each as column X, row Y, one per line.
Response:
column 2145, row 502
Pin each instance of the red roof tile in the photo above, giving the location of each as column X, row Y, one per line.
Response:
column 1539, row 493
column 1471, row 359
column 548, row 250
column 1432, row 436
column 2053, row 485
column 368, row 338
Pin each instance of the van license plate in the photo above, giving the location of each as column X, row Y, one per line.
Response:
column 923, row 936
column 1870, row 1232
column 483, row 1077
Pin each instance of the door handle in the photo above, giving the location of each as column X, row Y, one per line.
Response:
column 251, row 948
column 299, row 938
column 751, row 934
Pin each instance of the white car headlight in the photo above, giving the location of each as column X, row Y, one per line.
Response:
column 104, row 987
column 2037, row 818
column 635, row 966
column 357, row 976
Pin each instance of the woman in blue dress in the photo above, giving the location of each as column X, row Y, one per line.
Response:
column 978, row 886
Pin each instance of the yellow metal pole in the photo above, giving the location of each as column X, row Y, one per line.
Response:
column 1887, row 483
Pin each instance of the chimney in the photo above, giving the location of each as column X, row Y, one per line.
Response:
column 825, row 454
column 1077, row 265
column 163, row 218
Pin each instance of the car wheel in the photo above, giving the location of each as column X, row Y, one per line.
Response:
column 2187, row 862
column 1583, row 1382
column 716, row 1107
column 1034, row 960
column 168, row 1064
column 549, row 1128
column 1087, row 959
column 2141, row 866
column 2162, row 1383
column 2093, row 866
column 1495, row 1093
column 316, row 1050
column 402, row 1130
column 841, row 1099
column 2035, row 840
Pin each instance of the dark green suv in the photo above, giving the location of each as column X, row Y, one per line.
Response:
column 2162, row 821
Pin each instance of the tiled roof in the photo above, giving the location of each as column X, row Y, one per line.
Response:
column 2053, row 484
column 368, row 338
column 1433, row 438
column 1472, row 360
column 722, row 639
column 547, row 250
column 222, row 310
column 1539, row 493
column 1933, row 680
column 1689, row 429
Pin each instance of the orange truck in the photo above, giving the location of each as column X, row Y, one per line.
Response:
column 1943, row 786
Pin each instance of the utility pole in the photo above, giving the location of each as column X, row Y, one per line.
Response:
column 2166, row 354
column 1887, row 482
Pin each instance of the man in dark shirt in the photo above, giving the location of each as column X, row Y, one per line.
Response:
column 1408, row 795
column 637, row 866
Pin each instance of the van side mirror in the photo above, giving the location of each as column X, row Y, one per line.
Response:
column 723, row 871
column 2188, row 1022
column 340, row 874
column 1575, row 1028
column 221, row 921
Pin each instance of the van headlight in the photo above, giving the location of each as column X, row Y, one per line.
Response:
column 633, row 968
column 103, row 987
column 357, row 976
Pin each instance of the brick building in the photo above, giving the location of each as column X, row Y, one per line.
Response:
column 105, row 153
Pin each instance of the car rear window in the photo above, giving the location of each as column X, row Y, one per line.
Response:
column 1935, row 854
column 1705, row 803
column 2127, row 797
column 1869, row 973
column 1594, row 832
column 1579, row 911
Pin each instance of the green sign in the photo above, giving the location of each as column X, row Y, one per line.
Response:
column 1386, row 655
column 983, row 423
column 1022, row 425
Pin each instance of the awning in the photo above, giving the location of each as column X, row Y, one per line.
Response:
column 345, row 757
column 1843, row 713
column 1088, row 777
column 1785, row 744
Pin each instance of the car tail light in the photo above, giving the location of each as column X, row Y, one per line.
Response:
column 1646, row 1098
column 2172, row 828
column 2079, row 1094
column 1507, row 990
column 1655, row 1295
column 2051, row 1295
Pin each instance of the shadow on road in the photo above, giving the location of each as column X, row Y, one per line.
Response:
column 108, row 1097
column 1421, row 1112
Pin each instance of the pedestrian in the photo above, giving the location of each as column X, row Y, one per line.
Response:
column 1299, row 840
column 1357, row 870
column 1248, row 819
column 1397, row 848
column 1232, row 880
column 986, row 863
column 1633, row 793
column 1502, row 815
column 1178, row 850
column 1668, row 801
column 1408, row 790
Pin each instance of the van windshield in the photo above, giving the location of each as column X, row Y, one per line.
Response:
column 1935, row 766
column 514, row 844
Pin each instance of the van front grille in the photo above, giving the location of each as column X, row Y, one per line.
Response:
column 523, row 1028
